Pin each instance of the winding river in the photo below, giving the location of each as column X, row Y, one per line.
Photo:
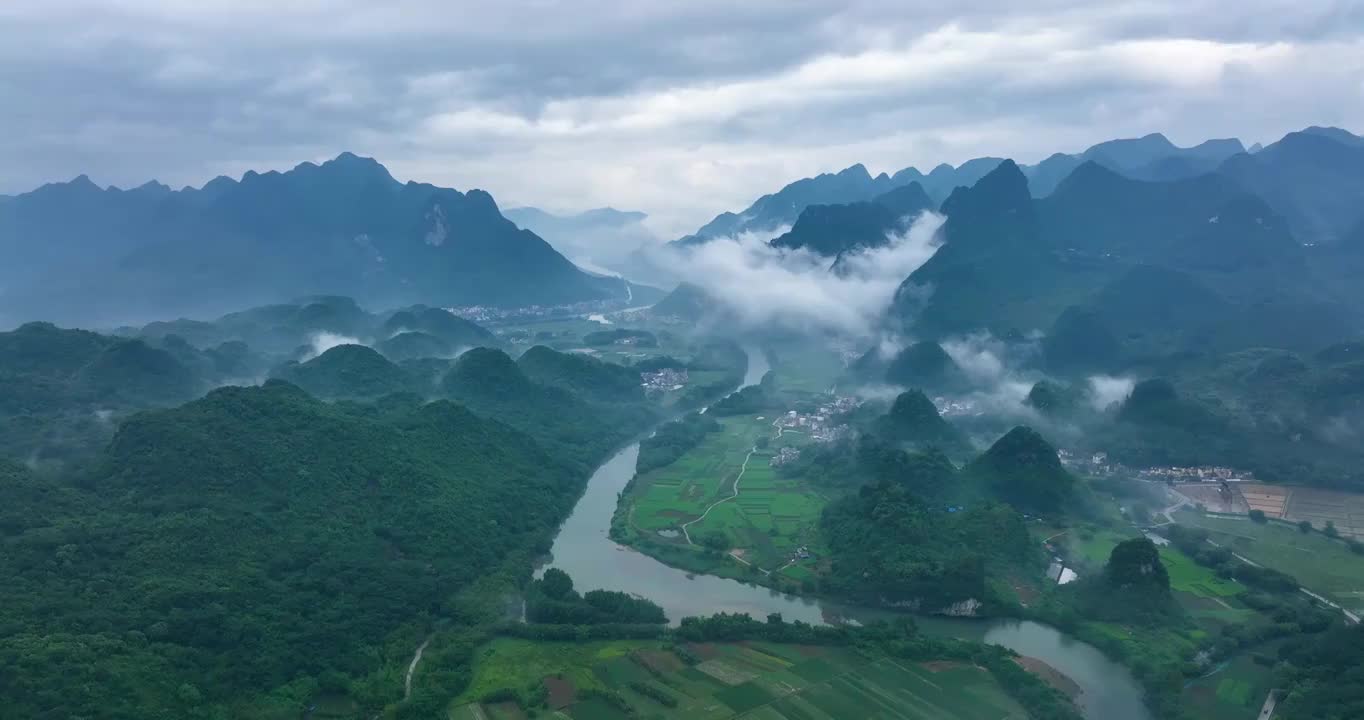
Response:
column 584, row 551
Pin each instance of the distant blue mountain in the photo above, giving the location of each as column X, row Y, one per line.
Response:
column 79, row 252
column 1152, row 157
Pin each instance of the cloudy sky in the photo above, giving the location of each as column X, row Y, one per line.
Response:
column 680, row 109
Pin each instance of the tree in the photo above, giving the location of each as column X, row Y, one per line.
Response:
column 556, row 584
column 1330, row 530
column 1305, row 526
column 1135, row 564
column 1258, row 516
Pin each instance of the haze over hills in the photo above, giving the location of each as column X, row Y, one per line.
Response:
column 663, row 369
column 600, row 240
column 1151, row 157
column 1153, row 304
column 105, row 255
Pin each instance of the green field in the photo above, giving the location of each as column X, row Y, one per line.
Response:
column 1235, row 692
column 519, row 664
column 1090, row 549
column 1319, row 563
column 1190, row 577
column 770, row 519
column 752, row 680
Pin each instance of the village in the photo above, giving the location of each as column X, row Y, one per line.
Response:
column 489, row 314
column 664, row 380
column 819, row 424
column 1098, row 465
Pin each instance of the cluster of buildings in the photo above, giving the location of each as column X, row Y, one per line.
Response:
column 664, row 380
column 785, row 455
column 1209, row 474
column 1098, row 464
column 819, row 424
column 484, row 314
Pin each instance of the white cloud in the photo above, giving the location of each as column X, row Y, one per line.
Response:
column 321, row 342
column 762, row 286
column 1106, row 390
column 678, row 109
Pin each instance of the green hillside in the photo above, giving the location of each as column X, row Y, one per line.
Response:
column 252, row 544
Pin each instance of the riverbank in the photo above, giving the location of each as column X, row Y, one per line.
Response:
column 584, row 549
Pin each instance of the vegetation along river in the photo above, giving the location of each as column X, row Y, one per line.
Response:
column 585, row 552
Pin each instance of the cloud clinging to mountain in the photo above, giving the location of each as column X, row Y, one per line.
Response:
column 679, row 109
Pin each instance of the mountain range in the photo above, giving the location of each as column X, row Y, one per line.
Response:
column 81, row 253
column 1311, row 177
column 1198, row 263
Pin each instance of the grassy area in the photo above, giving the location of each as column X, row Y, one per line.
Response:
column 1235, row 692
column 754, row 680
column 1088, row 548
column 1319, row 563
column 772, row 517
column 522, row 664
column 1190, row 577
column 765, row 525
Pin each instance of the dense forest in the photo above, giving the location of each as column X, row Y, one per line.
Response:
column 673, row 439
column 1326, row 677
column 552, row 599
column 902, row 539
column 252, row 550
column 490, row 383
column 258, row 539
column 913, row 420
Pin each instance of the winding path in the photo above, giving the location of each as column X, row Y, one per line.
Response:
column 776, row 424
column 742, row 470
column 412, row 667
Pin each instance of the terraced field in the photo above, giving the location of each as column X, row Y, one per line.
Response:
column 763, row 681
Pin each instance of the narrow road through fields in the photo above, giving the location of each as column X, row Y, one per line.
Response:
column 743, row 469
column 712, row 506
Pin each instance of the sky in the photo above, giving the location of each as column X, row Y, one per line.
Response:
column 679, row 109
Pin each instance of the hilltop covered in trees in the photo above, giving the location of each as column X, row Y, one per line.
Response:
column 254, row 541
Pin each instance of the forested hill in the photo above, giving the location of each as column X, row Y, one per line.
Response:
column 344, row 226
column 257, row 540
column 492, row 384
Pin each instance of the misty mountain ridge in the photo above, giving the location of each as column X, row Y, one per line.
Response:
column 529, row 217
column 344, row 226
column 1011, row 263
column 836, row 230
column 1151, row 157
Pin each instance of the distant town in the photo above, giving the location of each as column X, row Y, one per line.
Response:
column 1098, row 464
column 486, row 314
column 664, row 380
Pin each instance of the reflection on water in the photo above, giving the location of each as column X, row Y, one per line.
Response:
column 584, row 551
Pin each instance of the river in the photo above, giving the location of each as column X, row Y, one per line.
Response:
column 585, row 552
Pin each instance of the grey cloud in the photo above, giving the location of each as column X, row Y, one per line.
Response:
column 678, row 109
